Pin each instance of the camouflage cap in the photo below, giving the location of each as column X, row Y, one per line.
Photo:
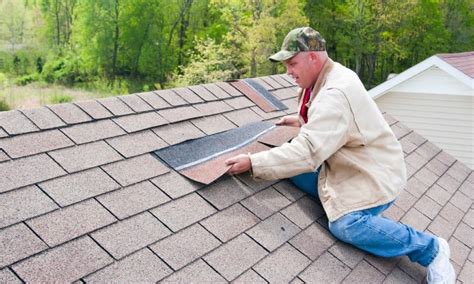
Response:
column 297, row 40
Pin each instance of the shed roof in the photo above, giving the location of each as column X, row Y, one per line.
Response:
column 82, row 197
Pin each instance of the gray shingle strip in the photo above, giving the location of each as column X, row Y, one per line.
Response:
column 94, row 109
column 76, row 187
column 135, row 103
column 71, row 222
column 263, row 84
column 188, row 95
column 116, row 106
column 133, row 199
column 184, row 247
column 171, row 97
column 26, row 171
column 135, row 169
column 130, row 235
column 235, row 256
column 203, row 93
column 66, row 263
column 43, row 117
column 22, row 204
column 70, row 113
column 178, row 132
column 183, row 212
column 142, row 266
column 190, row 153
column 155, row 101
column 18, row 242
column 259, row 89
column 14, row 122
column 85, row 156
column 282, row 265
column 137, row 122
column 93, row 131
column 137, row 143
column 34, row 143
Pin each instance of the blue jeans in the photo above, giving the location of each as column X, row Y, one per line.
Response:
column 368, row 231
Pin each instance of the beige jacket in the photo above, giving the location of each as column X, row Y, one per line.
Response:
column 363, row 163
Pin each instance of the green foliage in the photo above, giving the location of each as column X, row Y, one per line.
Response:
column 59, row 99
column 4, row 106
column 66, row 70
column 27, row 79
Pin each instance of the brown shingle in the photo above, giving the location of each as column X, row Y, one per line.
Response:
column 130, row 235
column 155, row 101
column 326, row 269
column 43, row 117
column 303, row 212
column 211, row 108
column 229, row 89
column 266, row 202
column 243, row 116
column 27, row 171
column 94, row 109
column 85, row 156
column 442, row 228
column 171, row 97
column 34, row 143
column 66, row 263
column 93, row 131
column 213, row 124
column 6, row 276
column 239, row 102
column 185, row 246
column 188, row 95
column 179, row 113
column 270, row 81
column 137, row 143
column 80, row 186
column 197, row 272
column 348, row 254
column 216, row 91
column 133, row 123
column 175, row 185
column 225, row 192
column 14, row 122
column 135, row 169
column 416, row 219
column 203, row 93
column 63, row 225
column 135, row 103
column 115, row 106
column 18, row 242
column 428, row 207
column 70, row 113
column 313, row 241
column 364, row 273
column 178, row 132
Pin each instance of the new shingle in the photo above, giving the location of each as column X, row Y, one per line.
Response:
column 27, row 171
column 80, row 186
column 85, row 156
column 93, row 131
column 14, row 122
column 133, row 199
column 183, row 212
column 171, row 97
column 135, row 103
column 130, row 235
column 94, row 109
column 154, row 100
column 22, row 204
column 136, row 169
column 70, row 113
column 34, row 143
column 136, row 143
column 230, row 222
column 175, row 185
column 263, row 83
column 236, row 256
column 143, row 267
column 185, row 246
column 213, row 124
column 18, row 242
column 273, row 231
column 137, row 122
column 326, row 269
column 178, row 132
column 43, row 117
column 282, row 265
column 198, row 272
column 66, row 263
column 313, row 241
column 116, row 106
column 68, row 223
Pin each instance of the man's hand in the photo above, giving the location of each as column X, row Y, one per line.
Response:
column 239, row 164
column 289, row 120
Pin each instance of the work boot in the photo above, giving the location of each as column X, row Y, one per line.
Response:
column 440, row 270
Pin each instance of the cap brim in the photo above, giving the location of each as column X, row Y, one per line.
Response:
column 282, row 55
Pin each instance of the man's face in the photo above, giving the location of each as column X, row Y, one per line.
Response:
column 303, row 68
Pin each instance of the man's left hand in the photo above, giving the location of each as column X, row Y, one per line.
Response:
column 239, row 164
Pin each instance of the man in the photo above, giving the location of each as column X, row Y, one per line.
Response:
column 347, row 156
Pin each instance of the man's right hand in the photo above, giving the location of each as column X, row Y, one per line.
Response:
column 289, row 120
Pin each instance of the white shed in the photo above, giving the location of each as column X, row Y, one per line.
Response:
column 436, row 99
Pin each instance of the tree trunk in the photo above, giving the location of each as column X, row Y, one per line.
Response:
column 116, row 40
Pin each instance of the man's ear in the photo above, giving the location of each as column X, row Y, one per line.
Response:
column 313, row 56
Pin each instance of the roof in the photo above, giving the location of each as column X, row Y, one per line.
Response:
column 458, row 65
column 83, row 197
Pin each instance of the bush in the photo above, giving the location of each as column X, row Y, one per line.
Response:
column 27, row 79
column 65, row 70
column 4, row 106
column 60, row 98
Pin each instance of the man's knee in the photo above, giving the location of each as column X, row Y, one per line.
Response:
column 346, row 227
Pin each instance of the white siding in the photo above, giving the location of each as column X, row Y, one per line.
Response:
column 434, row 81
column 445, row 120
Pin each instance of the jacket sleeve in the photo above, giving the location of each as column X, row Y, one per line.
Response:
column 326, row 132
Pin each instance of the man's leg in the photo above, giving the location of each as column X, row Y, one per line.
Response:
column 381, row 236
column 307, row 182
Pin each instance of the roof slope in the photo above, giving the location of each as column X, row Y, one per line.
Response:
column 83, row 198
column 463, row 61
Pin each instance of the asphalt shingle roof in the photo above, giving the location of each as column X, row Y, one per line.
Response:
column 83, row 198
